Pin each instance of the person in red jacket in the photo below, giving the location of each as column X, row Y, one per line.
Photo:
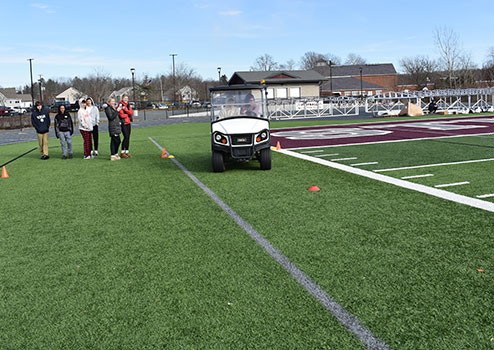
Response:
column 125, row 115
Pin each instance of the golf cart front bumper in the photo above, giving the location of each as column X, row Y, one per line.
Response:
column 241, row 146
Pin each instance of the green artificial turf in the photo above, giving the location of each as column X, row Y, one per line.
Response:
column 131, row 254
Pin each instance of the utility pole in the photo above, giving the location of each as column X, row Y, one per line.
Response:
column 32, row 87
column 40, row 89
column 174, row 87
column 133, row 86
column 219, row 74
column 361, row 93
column 161, row 88
column 331, row 76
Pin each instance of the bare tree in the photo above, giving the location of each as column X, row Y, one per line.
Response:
column 448, row 44
column 420, row 69
column 354, row 59
column 488, row 66
column 310, row 59
column 289, row 65
column 467, row 72
column 264, row 63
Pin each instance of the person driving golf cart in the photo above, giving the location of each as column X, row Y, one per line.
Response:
column 229, row 110
column 250, row 108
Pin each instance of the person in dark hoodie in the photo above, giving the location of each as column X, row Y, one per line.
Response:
column 64, row 130
column 40, row 119
column 114, row 128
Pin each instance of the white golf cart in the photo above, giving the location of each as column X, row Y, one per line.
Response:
column 239, row 125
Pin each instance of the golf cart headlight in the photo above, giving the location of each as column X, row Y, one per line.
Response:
column 218, row 137
column 262, row 136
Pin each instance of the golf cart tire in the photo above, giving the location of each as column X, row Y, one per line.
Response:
column 218, row 162
column 265, row 159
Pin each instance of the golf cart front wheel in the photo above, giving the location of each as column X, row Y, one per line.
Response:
column 265, row 159
column 218, row 162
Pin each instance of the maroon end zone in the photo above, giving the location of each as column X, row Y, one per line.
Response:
column 350, row 134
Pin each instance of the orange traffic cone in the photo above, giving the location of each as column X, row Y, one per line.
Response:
column 278, row 146
column 314, row 188
column 4, row 173
column 164, row 154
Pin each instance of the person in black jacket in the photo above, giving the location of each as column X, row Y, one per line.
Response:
column 114, row 128
column 64, row 130
column 40, row 119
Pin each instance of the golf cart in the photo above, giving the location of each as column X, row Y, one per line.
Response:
column 239, row 125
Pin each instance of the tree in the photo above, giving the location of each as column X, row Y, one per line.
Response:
column 310, row 60
column 354, row 59
column 488, row 66
column 420, row 69
column 289, row 65
column 264, row 63
column 466, row 73
column 448, row 44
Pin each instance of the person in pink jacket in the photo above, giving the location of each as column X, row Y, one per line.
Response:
column 125, row 115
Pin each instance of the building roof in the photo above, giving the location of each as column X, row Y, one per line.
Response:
column 70, row 92
column 349, row 83
column 121, row 92
column 11, row 93
column 276, row 77
column 354, row 70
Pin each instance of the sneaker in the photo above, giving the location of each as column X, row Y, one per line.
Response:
column 70, row 156
column 88, row 157
column 64, row 157
column 47, row 157
column 113, row 158
column 128, row 155
column 42, row 157
column 123, row 155
column 117, row 156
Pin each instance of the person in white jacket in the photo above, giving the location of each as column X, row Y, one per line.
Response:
column 94, row 113
column 85, row 127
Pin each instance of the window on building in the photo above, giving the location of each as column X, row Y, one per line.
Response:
column 348, row 93
column 355, row 93
column 369, row 93
column 295, row 92
column 270, row 92
column 281, row 93
column 379, row 92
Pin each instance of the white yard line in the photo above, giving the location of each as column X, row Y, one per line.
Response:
column 486, row 195
column 368, row 163
column 453, row 184
column 472, row 202
column 434, row 165
column 416, row 176
column 327, row 155
column 316, row 151
column 390, row 141
column 351, row 158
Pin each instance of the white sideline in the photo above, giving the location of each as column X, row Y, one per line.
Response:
column 368, row 163
column 472, row 202
column 453, row 184
column 434, row 165
column 485, row 195
column 416, row 176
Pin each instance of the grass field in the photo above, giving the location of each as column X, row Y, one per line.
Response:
column 132, row 254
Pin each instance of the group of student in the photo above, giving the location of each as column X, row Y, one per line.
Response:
column 88, row 117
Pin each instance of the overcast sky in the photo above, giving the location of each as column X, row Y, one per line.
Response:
column 68, row 38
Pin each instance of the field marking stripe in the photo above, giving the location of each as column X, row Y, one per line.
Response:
column 472, row 202
column 435, row 165
column 351, row 158
column 485, row 195
column 453, row 184
column 387, row 141
column 327, row 155
column 344, row 317
column 316, row 151
column 22, row 155
column 368, row 163
column 416, row 176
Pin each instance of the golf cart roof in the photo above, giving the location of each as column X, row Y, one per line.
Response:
column 237, row 87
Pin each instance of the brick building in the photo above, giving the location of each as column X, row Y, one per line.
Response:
column 345, row 80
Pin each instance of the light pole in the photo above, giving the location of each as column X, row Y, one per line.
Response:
column 40, row 89
column 173, row 70
column 133, row 70
column 331, row 76
column 361, row 92
column 32, row 87
column 219, row 74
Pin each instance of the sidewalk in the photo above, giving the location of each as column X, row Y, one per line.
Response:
column 29, row 134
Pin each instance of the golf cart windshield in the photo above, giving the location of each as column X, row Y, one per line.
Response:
column 232, row 103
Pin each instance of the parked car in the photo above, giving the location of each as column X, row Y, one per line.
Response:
column 195, row 104
column 54, row 107
column 206, row 104
column 176, row 105
column 19, row 110
column 6, row 111
column 162, row 106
